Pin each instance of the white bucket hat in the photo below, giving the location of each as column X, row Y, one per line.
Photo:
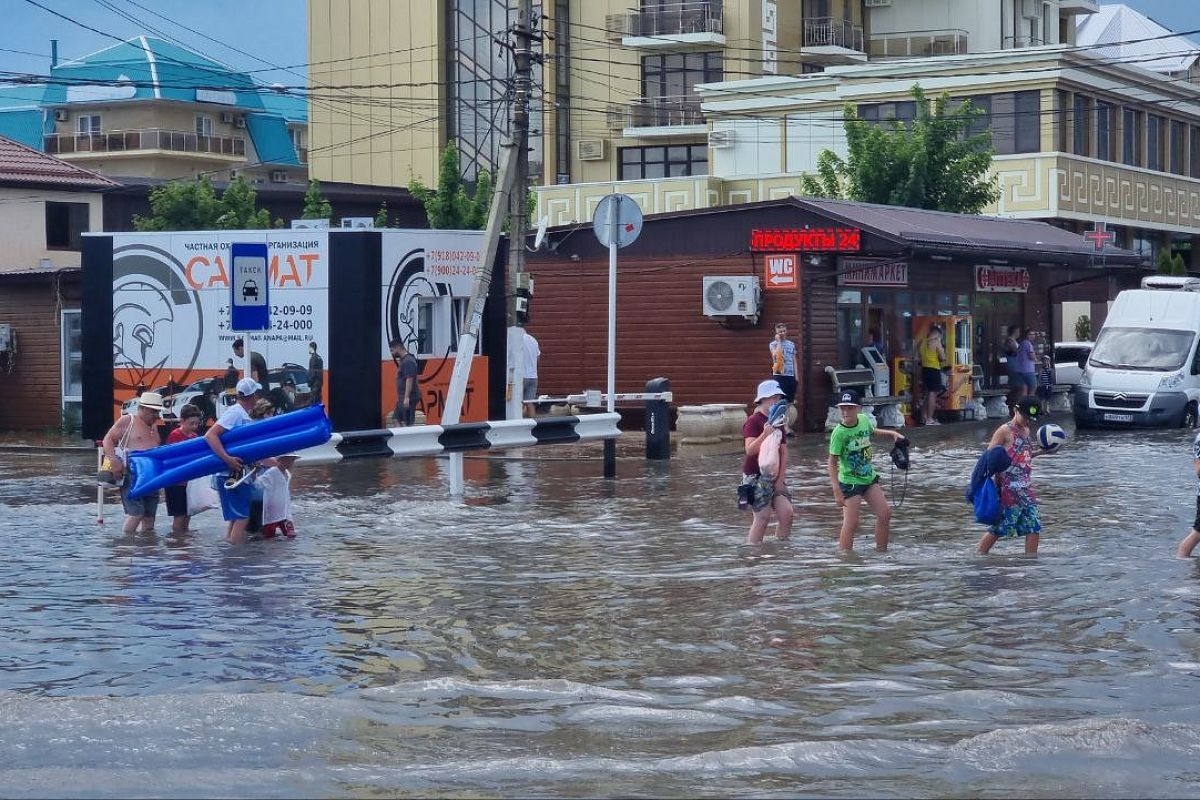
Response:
column 151, row 400
column 768, row 388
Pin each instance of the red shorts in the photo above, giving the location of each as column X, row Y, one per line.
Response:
column 284, row 526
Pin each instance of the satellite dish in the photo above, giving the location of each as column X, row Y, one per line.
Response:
column 543, row 223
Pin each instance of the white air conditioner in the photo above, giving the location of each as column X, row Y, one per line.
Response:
column 60, row 115
column 279, row 176
column 310, row 224
column 240, row 122
column 227, row 117
column 731, row 296
column 721, row 138
column 877, row 3
column 591, row 149
column 358, row 222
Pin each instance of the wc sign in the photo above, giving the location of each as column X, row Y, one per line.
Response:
column 780, row 271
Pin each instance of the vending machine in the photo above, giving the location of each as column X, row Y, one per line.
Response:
column 875, row 362
column 957, row 339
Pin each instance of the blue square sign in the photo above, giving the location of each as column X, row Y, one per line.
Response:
column 249, row 306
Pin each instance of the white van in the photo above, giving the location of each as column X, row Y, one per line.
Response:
column 1145, row 368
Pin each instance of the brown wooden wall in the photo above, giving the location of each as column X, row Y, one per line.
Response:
column 31, row 395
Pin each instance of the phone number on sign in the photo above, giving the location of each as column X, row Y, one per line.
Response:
column 291, row 310
column 292, row 325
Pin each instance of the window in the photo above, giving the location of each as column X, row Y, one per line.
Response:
column 88, row 123
column 203, row 125
column 1155, row 126
column 1178, row 137
column 1014, row 119
column 425, row 327
column 982, row 103
column 1105, row 131
column 1131, row 137
column 667, row 161
column 1195, row 171
column 71, row 334
column 65, row 222
column 1062, row 121
column 1028, row 120
column 676, row 74
column 1082, row 125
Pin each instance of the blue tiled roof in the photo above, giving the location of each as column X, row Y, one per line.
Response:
column 271, row 139
column 23, row 125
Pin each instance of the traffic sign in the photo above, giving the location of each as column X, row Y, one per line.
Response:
column 780, row 271
column 628, row 219
column 249, row 309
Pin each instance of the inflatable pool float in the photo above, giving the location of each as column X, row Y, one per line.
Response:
column 151, row 470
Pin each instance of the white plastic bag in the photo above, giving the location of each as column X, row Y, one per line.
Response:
column 768, row 455
column 201, row 496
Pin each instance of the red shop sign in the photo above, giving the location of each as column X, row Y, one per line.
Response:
column 805, row 240
column 1001, row 279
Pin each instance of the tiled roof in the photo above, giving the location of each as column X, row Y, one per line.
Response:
column 23, row 165
column 1121, row 33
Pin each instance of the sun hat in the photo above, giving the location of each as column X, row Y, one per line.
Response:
column 1030, row 407
column 247, row 387
column 768, row 388
column 849, row 397
column 151, row 400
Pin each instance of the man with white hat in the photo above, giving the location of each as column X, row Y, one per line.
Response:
column 764, row 491
column 129, row 434
column 235, row 503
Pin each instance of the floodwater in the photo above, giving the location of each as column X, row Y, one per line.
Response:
column 560, row 637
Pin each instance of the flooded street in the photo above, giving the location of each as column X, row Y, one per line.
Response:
column 558, row 636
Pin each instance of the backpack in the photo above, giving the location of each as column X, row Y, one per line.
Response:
column 987, row 503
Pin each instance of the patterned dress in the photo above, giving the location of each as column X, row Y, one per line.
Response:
column 1017, row 498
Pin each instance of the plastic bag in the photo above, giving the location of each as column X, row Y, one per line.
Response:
column 201, row 495
column 768, row 455
column 987, row 503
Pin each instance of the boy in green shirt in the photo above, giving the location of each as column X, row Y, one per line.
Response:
column 851, row 474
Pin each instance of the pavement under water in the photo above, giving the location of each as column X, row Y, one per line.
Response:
column 558, row 635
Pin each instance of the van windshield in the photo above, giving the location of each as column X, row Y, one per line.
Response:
column 1142, row 348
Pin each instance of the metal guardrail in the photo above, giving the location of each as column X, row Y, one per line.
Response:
column 144, row 139
column 669, row 19
column 833, row 32
column 647, row 112
column 903, row 44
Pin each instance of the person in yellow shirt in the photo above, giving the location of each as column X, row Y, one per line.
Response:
column 932, row 355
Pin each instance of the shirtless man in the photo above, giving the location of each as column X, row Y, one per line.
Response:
column 131, row 433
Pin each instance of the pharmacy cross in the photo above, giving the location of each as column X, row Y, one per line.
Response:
column 1099, row 236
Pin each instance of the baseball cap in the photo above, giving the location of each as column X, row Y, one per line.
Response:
column 849, row 397
column 768, row 388
column 248, row 386
column 1031, row 407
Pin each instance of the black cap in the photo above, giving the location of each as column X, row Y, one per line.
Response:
column 1031, row 407
column 849, row 397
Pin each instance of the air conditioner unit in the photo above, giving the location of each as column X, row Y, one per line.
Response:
column 721, row 138
column 310, row 224
column 240, row 122
column 358, row 222
column 877, row 3
column 591, row 149
column 279, row 176
column 731, row 296
column 227, row 117
column 60, row 115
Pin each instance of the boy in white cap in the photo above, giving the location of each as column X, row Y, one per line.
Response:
column 852, row 475
column 129, row 434
column 766, row 493
column 235, row 503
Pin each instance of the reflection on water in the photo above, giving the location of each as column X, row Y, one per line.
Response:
column 559, row 637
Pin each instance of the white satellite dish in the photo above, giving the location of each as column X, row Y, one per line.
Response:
column 543, row 223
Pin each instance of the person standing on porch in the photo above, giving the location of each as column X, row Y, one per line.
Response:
column 783, row 361
column 932, row 355
column 1022, row 378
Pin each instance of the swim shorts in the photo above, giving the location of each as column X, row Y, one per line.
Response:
column 144, row 506
column 764, row 492
column 1017, row 520
column 931, row 379
column 855, row 489
column 235, row 503
column 177, row 505
column 284, row 526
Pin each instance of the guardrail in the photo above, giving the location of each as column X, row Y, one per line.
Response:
column 145, row 139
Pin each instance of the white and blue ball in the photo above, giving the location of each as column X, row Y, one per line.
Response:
column 1051, row 437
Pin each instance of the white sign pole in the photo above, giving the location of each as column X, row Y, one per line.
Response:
column 614, row 221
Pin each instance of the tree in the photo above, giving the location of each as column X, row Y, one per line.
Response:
column 1169, row 264
column 1083, row 328
column 194, row 206
column 241, row 211
column 451, row 206
column 381, row 216
column 933, row 162
column 315, row 204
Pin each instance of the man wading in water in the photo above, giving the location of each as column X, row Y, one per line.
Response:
column 130, row 434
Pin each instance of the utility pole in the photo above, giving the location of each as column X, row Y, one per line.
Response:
column 518, row 222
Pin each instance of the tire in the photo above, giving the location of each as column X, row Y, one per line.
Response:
column 1189, row 417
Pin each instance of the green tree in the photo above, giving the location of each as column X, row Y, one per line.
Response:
column 1083, row 328
column 933, row 162
column 450, row 206
column 181, row 206
column 315, row 204
column 381, row 216
column 240, row 209
column 1169, row 264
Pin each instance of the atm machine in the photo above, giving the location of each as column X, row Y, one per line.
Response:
column 874, row 361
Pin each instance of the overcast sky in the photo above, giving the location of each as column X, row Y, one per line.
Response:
column 271, row 32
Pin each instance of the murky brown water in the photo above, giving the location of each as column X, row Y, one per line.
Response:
column 560, row 637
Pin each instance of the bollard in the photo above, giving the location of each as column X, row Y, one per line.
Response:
column 658, row 421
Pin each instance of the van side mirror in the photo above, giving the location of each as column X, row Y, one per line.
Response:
column 1083, row 360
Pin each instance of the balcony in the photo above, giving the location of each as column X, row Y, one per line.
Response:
column 657, row 116
column 830, row 40
column 139, row 141
column 907, row 44
column 1079, row 6
column 672, row 26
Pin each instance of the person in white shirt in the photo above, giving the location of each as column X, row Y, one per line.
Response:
column 275, row 485
column 235, row 503
column 529, row 386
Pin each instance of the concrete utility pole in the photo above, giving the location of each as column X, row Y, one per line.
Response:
column 518, row 222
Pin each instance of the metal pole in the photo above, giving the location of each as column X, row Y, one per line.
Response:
column 518, row 223
column 610, row 445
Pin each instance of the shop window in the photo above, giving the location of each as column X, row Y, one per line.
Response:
column 1144, row 243
column 1155, row 129
column 71, row 343
column 1082, row 125
column 1131, row 139
column 1105, row 131
column 1178, row 137
column 637, row 163
column 65, row 224
column 677, row 74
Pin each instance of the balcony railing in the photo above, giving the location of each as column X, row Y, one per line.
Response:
column 901, row 44
column 833, row 32
column 670, row 19
column 147, row 139
column 655, row 112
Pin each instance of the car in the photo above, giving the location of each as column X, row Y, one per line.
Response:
column 172, row 404
column 249, row 290
column 128, row 406
column 298, row 375
column 1069, row 358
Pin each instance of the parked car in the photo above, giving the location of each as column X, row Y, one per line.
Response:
column 172, row 404
column 129, row 404
column 1069, row 358
column 298, row 375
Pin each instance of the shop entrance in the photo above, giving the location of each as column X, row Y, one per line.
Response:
column 994, row 312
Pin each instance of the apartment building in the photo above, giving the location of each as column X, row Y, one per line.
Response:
column 149, row 108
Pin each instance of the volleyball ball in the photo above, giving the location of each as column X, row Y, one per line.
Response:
column 1051, row 437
